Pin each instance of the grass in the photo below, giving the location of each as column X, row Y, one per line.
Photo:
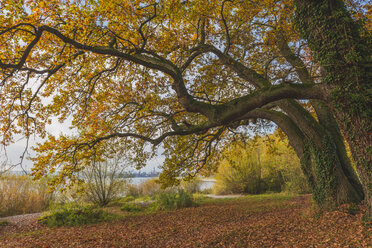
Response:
column 143, row 199
column 32, row 234
column 202, row 200
column 171, row 201
column 131, row 207
column 22, row 195
column 75, row 216
column 4, row 223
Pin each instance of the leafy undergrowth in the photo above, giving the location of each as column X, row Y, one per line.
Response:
column 262, row 221
column 4, row 223
column 75, row 216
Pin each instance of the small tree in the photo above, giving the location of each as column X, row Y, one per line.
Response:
column 259, row 165
column 105, row 180
column 240, row 171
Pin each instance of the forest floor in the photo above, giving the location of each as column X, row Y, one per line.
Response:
column 272, row 221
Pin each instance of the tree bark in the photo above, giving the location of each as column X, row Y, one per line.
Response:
column 342, row 49
column 324, row 136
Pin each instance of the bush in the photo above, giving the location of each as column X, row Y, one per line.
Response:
column 150, row 187
column 192, row 186
column 104, row 181
column 128, row 198
column 21, row 195
column 199, row 198
column 131, row 207
column 263, row 164
column 174, row 200
column 207, row 191
column 133, row 190
column 74, row 216
column 243, row 177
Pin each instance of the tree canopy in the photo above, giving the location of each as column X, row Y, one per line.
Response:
column 187, row 74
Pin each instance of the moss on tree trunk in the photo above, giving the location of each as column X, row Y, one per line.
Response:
column 330, row 185
column 341, row 46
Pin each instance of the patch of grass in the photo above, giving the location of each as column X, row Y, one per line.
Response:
column 128, row 198
column 276, row 197
column 27, row 234
column 75, row 216
column 120, row 201
column 198, row 198
column 143, row 198
column 131, row 207
column 271, row 196
column 4, row 223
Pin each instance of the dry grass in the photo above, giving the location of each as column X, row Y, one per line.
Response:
column 20, row 195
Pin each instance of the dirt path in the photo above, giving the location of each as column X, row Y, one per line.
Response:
column 21, row 220
column 20, row 223
column 223, row 196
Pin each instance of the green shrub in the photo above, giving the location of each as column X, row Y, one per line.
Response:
column 172, row 200
column 75, row 216
column 4, row 223
column 207, row 191
column 128, row 198
column 184, row 199
column 131, row 207
column 263, row 164
column 199, row 197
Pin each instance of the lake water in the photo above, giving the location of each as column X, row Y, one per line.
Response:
column 205, row 184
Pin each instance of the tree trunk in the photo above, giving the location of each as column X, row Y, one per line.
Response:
column 342, row 49
column 327, row 120
column 320, row 162
column 331, row 187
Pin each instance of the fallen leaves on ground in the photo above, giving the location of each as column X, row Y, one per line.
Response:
column 240, row 222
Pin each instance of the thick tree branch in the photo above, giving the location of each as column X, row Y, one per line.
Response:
column 295, row 136
column 240, row 106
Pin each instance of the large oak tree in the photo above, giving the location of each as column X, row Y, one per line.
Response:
column 189, row 75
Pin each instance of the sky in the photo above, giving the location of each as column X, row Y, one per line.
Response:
column 15, row 151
